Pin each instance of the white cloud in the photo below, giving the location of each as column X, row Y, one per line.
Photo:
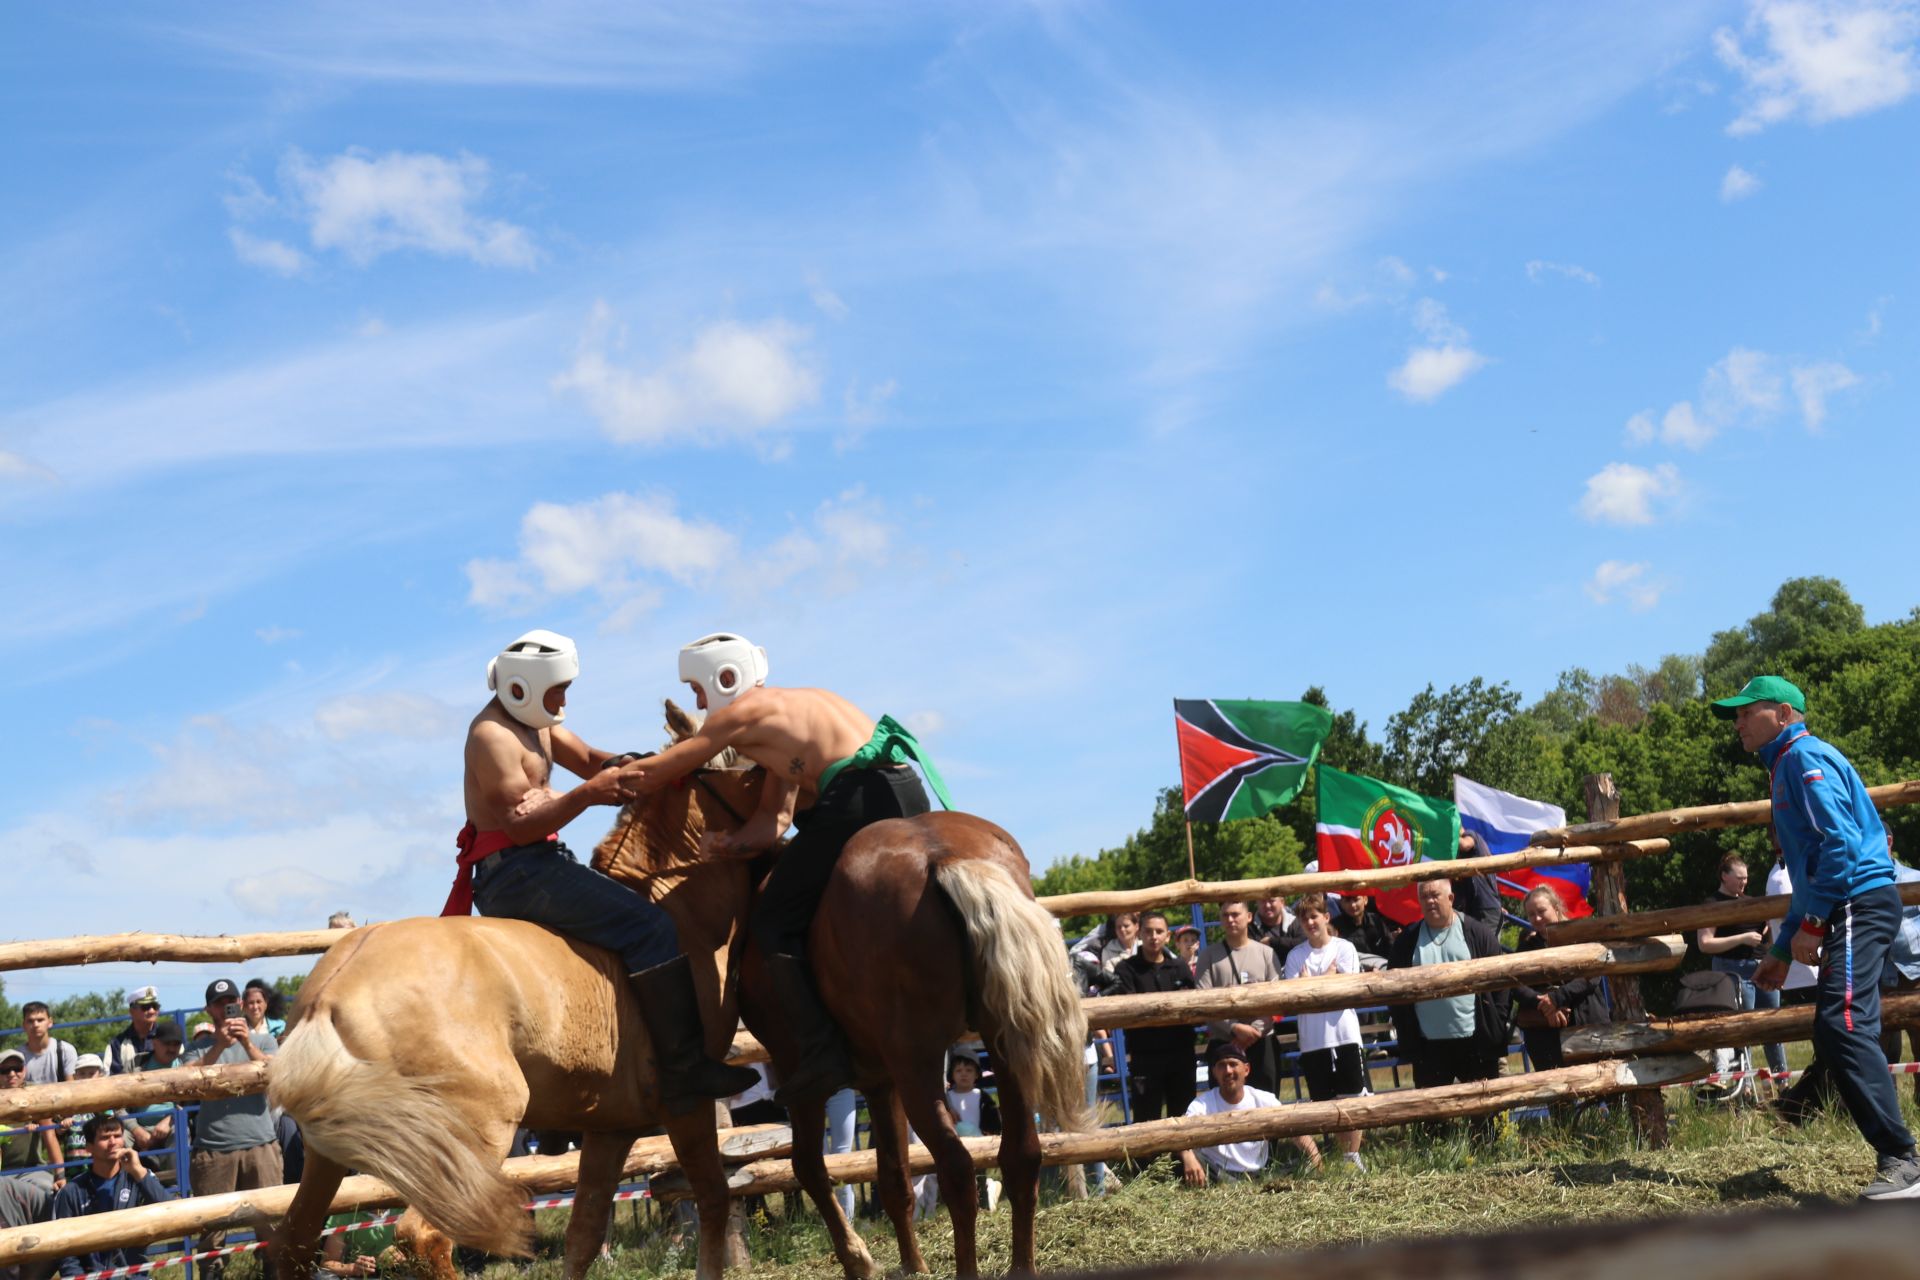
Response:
column 1539, row 269
column 733, row 380
column 1429, row 372
column 18, row 467
column 825, row 300
column 1621, row 493
column 924, row 724
column 1619, row 579
column 1396, row 270
column 1640, row 427
column 1743, row 386
column 413, row 716
column 1820, row 59
column 289, row 892
column 269, row 255
column 1812, row 384
column 276, row 634
column 1738, row 184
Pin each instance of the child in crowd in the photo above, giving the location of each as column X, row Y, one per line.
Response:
column 974, row 1114
column 1331, row 1057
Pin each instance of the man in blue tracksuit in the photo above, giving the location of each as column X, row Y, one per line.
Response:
column 1844, row 915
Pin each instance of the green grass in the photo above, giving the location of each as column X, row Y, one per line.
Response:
column 1504, row 1176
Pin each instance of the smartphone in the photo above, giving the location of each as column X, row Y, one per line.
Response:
column 233, row 1011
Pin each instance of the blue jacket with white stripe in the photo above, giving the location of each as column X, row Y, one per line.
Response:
column 1829, row 832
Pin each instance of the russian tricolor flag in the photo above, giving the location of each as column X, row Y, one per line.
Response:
column 1507, row 822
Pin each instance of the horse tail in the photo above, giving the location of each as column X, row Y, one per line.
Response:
column 1027, row 997
column 364, row 1114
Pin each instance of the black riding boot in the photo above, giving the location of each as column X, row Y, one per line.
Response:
column 669, row 1006
column 824, row 1068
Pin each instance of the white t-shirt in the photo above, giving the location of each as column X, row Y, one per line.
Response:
column 1325, row 1030
column 965, row 1108
column 1234, row 1157
column 1798, row 975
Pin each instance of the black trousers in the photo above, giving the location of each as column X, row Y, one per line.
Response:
column 858, row 798
column 1846, row 1016
column 1438, row 1062
column 1160, row 1088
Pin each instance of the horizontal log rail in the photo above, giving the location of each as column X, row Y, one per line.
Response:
column 1293, row 996
column 1187, row 892
column 1402, row 1106
column 1639, row 924
column 1705, row 817
column 52, row 953
column 258, row 1210
column 1719, row 1031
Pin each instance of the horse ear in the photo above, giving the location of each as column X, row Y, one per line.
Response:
column 680, row 725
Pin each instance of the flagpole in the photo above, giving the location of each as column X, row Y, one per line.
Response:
column 1191, row 873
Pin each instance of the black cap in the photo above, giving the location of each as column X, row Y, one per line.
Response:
column 222, row 989
column 1229, row 1050
column 167, row 1029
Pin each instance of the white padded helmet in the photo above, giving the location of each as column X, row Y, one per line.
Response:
column 532, row 665
column 724, row 666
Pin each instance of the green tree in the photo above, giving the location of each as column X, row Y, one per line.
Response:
column 1803, row 611
column 1438, row 734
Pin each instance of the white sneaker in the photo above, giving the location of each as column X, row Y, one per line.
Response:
column 993, row 1194
column 1898, row 1178
column 1353, row 1158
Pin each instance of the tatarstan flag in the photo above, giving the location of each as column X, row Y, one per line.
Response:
column 1241, row 759
column 1365, row 823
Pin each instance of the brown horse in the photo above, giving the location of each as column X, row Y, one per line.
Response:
column 421, row 1044
column 928, row 930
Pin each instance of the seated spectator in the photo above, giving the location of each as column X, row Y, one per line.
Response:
column 114, row 1179
column 30, row 1143
column 87, row 1066
column 1542, row 1013
column 259, row 1002
column 1233, row 1161
column 1330, row 1053
column 1275, row 925
column 974, row 1115
column 1186, row 941
column 24, row 1202
column 1238, row 960
column 199, row 1038
column 1739, row 949
column 124, row 1050
column 49, row 1059
column 1452, row 1038
column 235, row 1145
column 153, row 1126
column 1360, row 923
column 341, row 920
column 1160, row 1060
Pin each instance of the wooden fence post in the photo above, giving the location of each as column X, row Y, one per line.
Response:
column 1609, row 887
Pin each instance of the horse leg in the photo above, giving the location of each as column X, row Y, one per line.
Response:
column 1019, row 1162
column 428, row 1249
column 299, row 1231
column 696, row 1144
column 893, row 1179
column 601, row 1156
column 809, row 1121
column 951, row 1159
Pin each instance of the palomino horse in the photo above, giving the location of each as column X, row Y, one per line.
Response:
column 421, row 1044
column 928, row 930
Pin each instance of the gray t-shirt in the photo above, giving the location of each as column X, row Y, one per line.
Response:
column 235, row 1124
column 43, row 1068
column 1450, row 1017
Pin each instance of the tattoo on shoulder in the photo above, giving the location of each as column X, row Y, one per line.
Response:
column 796, row 767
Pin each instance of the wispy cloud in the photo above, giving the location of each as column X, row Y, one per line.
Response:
column 1623, row 494
column 1813, row 383
column 276, row 634
column 1619, row 580
column 1820, row 60
column 732, row 380
column 276, row 256
column 1738, row 184
column 1539, row 270
column 394, row 715
column 1745, row 388
column 1431, row 371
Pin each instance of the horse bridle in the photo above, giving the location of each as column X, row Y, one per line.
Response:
column 699, row 776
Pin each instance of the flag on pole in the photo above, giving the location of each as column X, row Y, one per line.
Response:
column 1507, row 822
column 1365, row 823
column 1242, row 759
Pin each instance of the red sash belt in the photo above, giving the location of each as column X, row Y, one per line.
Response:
column 474, row 845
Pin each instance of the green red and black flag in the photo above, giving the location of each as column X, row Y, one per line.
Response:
column 1241, row 759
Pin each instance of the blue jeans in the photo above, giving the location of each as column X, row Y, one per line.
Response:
column 545, row 884
column 1752, row 997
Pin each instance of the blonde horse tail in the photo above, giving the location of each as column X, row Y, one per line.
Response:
column 369, row 1117
column 1028, row 1002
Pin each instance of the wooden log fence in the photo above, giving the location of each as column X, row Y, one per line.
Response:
column 1705, row 817
column 258, row 1210
column 1550, row 965
column 1719, row 1031
column 154, row 947
column 1640, row 924
column 1154, row 1137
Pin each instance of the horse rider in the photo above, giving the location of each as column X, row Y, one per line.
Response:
column 512, row 863
column 830, row 772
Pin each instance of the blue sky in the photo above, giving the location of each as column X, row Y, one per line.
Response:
column 1009, row 368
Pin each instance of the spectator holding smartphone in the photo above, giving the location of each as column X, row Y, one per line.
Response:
column 235, row 1146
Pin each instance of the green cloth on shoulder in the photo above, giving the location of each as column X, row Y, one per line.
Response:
column 891, row 743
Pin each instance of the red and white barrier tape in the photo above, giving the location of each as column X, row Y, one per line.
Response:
column 384, row 1220
column 1726, row 1077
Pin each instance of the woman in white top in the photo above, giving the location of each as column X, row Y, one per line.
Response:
column 1330, row 1052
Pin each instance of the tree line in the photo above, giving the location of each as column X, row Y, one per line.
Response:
column 1650, row 727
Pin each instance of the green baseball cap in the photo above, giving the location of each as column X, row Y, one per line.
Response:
column 1763, row 689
